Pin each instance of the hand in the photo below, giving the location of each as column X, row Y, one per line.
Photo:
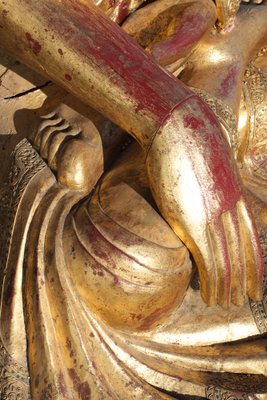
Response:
column 170, row 29
column 72, row 147
column 196, row 187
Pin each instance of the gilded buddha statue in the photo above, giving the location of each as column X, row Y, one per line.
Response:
column 135, row 269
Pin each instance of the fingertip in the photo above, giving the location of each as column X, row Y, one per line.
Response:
column 252, row 253
column 257, row 294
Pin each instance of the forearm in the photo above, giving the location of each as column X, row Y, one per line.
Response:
column 77, row 46
column 226, row 56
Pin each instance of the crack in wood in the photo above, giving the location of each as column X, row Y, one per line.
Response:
column 24, row 93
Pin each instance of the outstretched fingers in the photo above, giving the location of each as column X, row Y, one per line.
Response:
column 232, row 259
column 221, row 263
column 251, row 251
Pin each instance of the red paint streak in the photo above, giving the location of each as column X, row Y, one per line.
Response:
column 189, row 31
column 151, row 88
column 204, row 133
column 82, row 388
column 33, row 44
column 156, row 315
column 153, row 317
column 123, row 11
column 116, row 280
column 192, row 122
column 228, row 82
column 62, row 385
column 68, row 77
column 94, row 365
column 60, row 52
column 137, row 317
column 102, row 254
column 68, row 344
column 102, row 262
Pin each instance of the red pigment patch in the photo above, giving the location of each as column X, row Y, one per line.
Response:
column 4, row 12
column 206, row 133
column 60, row 52
column 68, row 344
column 122, row 11
column 150, row 87
column 94, row 365
column 68, row 77
column 62, row 384
column 136, row 317
column 228, row 82
column 193, row 122
column 33, row 44
column 188, row 32
column 82, row 388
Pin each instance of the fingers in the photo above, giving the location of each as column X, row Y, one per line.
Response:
column 47, row 121
column 196, row 186
column 56, row 143
column 233, row 253
column 221, row 264
column 231, row 226
column 251, row 252
column 205, row 258
column 47, row 135
column 52, row 132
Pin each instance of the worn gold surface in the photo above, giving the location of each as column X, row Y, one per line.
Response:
column 225, row 56
column 227, row 10
column 101, row 290
column 147, row 98
column 170, row 30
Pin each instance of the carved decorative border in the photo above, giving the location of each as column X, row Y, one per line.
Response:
column 215, row 393
column 14, row 379
column 223, row 113
column 25, row 163
column 255, row 96
column 259, row 308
